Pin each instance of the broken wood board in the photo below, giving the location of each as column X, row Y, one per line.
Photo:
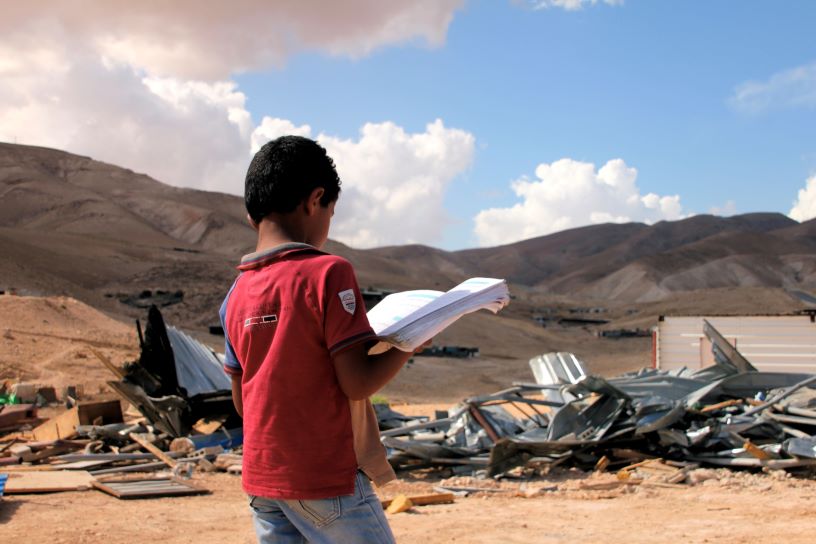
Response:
column 14, row 414
column 400, row 503
column 148, row 488
column 209, row 426
column 756, row 451
column 48, row 482
column 108, row 363
column 721, row 405
column 426, row 500
column 146, row 444
column 89, row 413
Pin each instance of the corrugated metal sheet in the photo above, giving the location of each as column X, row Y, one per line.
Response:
column 197, row 367
column 770, row 343
column 557, row 368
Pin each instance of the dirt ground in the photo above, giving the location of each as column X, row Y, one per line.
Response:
column 744, row 508
column 47, row 340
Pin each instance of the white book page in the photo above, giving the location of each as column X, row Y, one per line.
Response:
column 397, row 307
column 466, row 289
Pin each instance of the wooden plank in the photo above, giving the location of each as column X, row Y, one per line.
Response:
column 48, row 482
column 14, row 414
column 108, row 363
column 209, row 426
column 754, row 450
column 139, row 439
column 61, row 426
column 721, row 405
column 400, row 503
column 144, row 489
column 425, row 500
column 64, row 425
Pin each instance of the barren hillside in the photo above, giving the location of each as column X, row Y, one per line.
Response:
column 115, row 240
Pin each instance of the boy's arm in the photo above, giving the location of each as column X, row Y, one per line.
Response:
column 361, row 375
column 236, row 394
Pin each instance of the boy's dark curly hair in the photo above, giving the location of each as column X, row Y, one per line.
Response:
column 284, row 172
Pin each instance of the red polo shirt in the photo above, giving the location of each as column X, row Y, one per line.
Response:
column 289, row 311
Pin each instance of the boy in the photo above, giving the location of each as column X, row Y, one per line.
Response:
column 296, row 349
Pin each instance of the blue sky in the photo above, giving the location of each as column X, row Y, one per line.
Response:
column 647, row 81
column 454, row 123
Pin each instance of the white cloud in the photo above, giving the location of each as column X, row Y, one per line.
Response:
column 729, row 208
column 805, row 206
column 272, row 127
column 794, row 88
column 394, row 182
column 151, row 91
column 184, row 133
column 571, row 5
column 569, row 193
column 210, row 39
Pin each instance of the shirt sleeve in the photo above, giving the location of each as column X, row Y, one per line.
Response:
column 345, row 322
column 231, row 364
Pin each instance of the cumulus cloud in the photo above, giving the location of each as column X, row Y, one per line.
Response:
column 211, row 39
column 149, row 88
column 571, row 5
column 569, row 193
column 185, row 133
column 729, row 208
column 793, row 88
column 804, row 208
column 394, row 182
column 272, row 127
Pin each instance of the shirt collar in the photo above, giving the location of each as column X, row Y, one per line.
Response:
column 260, row 258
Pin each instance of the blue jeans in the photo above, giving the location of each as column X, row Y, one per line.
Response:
column 345, row 519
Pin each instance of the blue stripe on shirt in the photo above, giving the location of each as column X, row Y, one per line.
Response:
column 230, row 360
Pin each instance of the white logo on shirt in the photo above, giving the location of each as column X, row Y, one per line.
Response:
column 349, row 300
column 260, row 320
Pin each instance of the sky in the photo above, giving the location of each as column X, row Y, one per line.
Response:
column 453, row 123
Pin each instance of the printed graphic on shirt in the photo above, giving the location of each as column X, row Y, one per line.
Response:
column 349, row 300
column 260, row 320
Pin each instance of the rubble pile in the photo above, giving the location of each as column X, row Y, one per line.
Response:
column 727, row 415
column 186, row 421
column 649, row 428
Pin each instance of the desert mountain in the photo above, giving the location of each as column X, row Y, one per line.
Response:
column 72, row 225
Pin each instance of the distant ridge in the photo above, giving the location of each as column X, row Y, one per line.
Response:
column 73, row 225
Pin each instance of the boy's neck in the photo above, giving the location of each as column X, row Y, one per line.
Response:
column 272, row 234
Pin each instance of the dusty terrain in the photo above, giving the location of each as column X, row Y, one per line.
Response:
column 47, row 340
column 738, row 509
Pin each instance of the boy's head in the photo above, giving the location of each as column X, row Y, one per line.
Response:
column 283, row 174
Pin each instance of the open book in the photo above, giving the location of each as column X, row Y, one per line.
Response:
column 407, row 320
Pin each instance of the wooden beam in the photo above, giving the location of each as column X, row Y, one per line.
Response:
column 108, row 363
column 425, row 500
column 139, row 439
column 47, row 482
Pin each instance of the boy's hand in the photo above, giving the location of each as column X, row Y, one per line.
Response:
column 426, row 344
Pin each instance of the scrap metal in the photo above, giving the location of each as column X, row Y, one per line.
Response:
column 728, row 415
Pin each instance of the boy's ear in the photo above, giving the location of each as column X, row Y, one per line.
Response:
column 312, row 202
column 252, row 223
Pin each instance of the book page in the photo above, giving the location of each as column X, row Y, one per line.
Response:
column 466, row 289
column 396, row 307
